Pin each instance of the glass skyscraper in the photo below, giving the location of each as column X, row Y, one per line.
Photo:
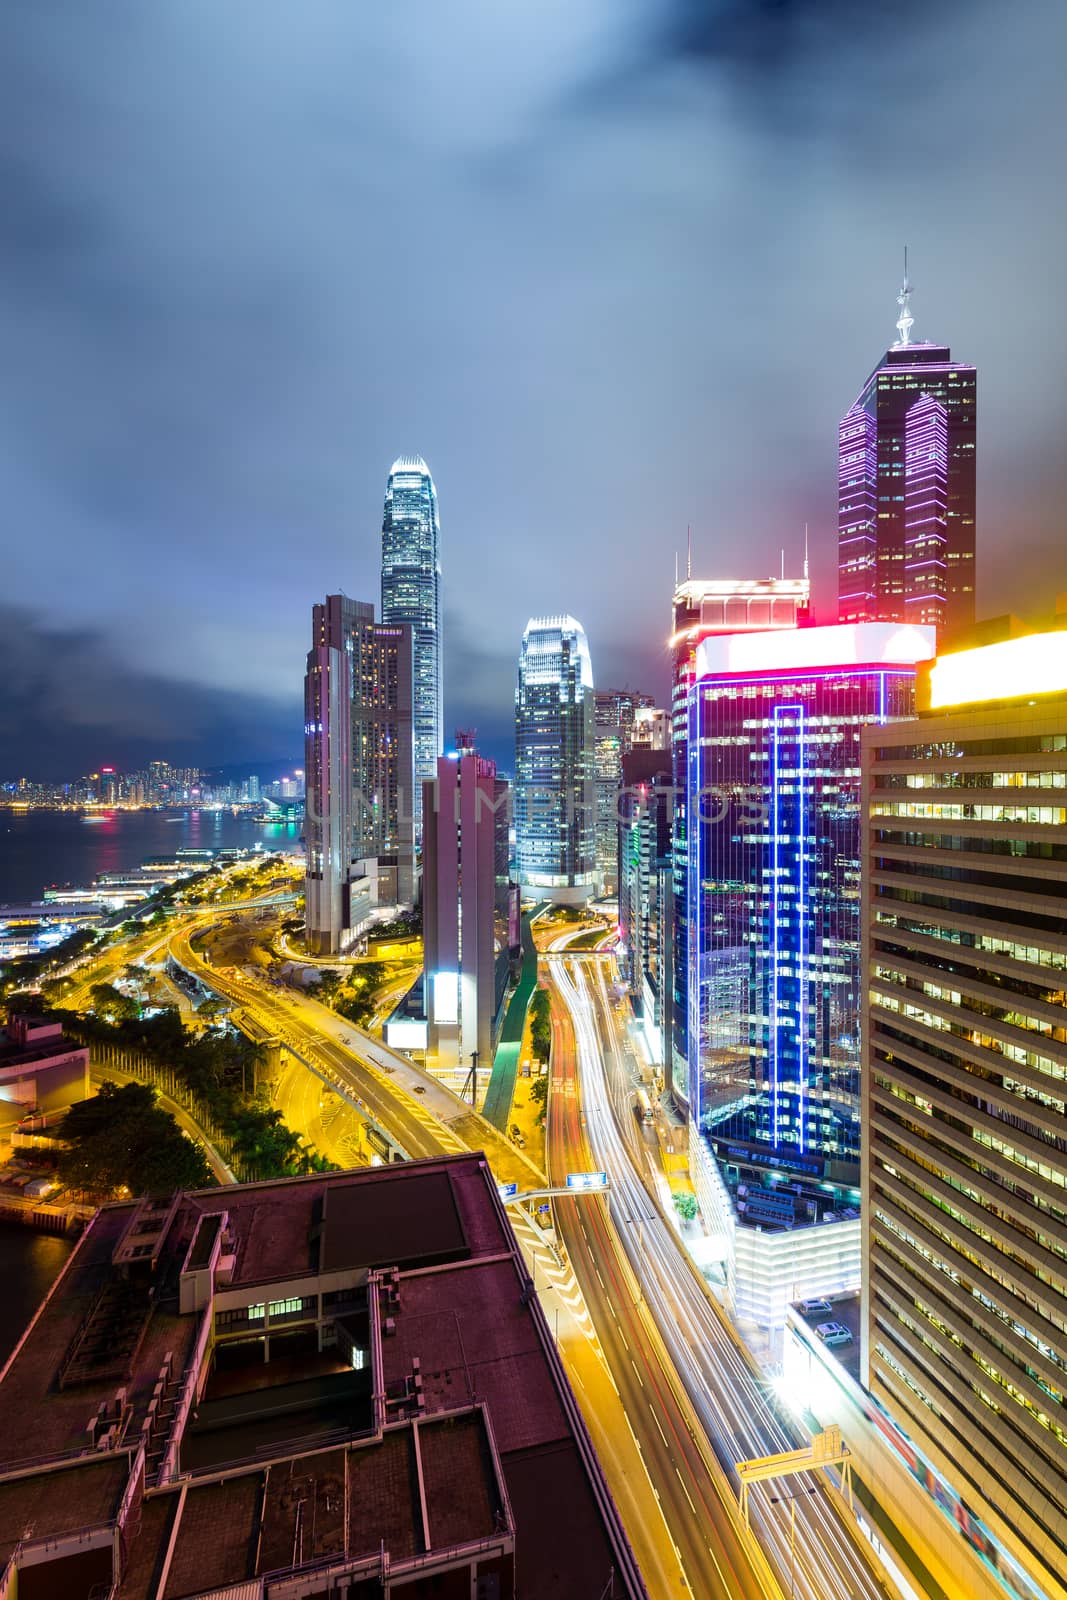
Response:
column 555, row 813
column 411, row 593
column 772, row 794
column 700, row 609
column 906, row 490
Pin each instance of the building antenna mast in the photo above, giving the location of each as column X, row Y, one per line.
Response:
column 905, row 321
column 805, row 552
column 688, row 551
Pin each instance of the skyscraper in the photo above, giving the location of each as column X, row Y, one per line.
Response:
column 773, row 933
column 906, row 489
column 411, row 594
column 614, row 713
column 358, row 765
column 646, row 897
column 465, row 904
column 965, row 1142
column 555, row 834
column 702, row 608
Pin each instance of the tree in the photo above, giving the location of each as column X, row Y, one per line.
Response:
column 107, row 1001
column 539, row 1095
column 685, row 1205
column 541, row 1024
column 122, row 1139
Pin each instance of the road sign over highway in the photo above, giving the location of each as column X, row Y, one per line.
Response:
column 587, row 1180
column 508, row 1191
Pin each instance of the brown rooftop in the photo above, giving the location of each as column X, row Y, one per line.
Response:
column 362, row 1379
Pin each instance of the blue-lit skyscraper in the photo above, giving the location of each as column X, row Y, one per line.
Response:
column 772, row 935
column 411, row 593
column 555, row 810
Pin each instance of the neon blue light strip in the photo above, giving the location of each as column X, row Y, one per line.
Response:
column 780, row 911
column 694, row 852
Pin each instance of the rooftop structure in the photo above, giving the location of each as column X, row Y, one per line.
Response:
column 336, row 1385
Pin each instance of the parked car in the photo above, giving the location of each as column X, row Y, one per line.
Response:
column 816, row 1308
column 832, row 1333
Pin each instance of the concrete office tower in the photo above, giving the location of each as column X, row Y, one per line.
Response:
column 615, row 713
column 772, row 799
column 465, row 904
column 906, row 489
column 702, row 608
column 411, row 594
column 965, row 1141
column 358, row 766
column 555, row 832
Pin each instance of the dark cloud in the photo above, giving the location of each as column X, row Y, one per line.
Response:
column 611, row 267
column 70, row 705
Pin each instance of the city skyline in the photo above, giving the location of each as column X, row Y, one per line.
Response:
column 209, row 392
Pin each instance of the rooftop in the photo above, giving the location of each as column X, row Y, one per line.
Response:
column 413, row 1410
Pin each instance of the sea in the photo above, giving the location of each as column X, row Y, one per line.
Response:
column 39, row 849
column 29, row 1263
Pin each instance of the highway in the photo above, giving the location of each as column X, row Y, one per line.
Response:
column 417, row 1112
column 700, row 1510
column 735, row 1406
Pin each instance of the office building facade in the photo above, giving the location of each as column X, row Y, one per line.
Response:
column 773, row 933
column 646, row 898
column 555, row 799
column 359, row 809
column 701, row 609
column 615, row 714
column 906, row 490
column 411, row 596
column 964, row 1119
column 465, row 908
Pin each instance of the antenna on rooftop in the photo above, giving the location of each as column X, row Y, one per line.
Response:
column 688, row 551
column 805, row 552
column 783, row 564
column 905, row 321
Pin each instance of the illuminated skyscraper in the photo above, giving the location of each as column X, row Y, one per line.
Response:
column 555, row 833
column 615, row 713
column 906, row 489
column 965, row 1139
column 701, row 609
column 411, row 594
column 772, row 798
column 358, row 764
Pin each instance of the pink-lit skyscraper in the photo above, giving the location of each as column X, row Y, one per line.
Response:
column 906, row 489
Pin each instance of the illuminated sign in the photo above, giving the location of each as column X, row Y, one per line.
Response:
column 587, row 1180
column 845, row 644
column 446, row 997
column 507, row 1191
column 1036, row 664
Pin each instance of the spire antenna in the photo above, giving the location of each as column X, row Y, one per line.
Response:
column 688, row 551
column 905, row 321
column 805, row 552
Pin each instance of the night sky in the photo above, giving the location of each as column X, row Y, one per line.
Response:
column 610, row 266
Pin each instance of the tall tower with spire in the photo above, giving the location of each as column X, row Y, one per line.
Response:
column 411, row 593
column 906, row 487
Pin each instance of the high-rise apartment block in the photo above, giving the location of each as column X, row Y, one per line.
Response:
column 359, row 770
column 465, row 908
column 411, row 596
column 701, row 609
column 772, row 800
column 906, row 489
column 964, row 1120
column 555, row 802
